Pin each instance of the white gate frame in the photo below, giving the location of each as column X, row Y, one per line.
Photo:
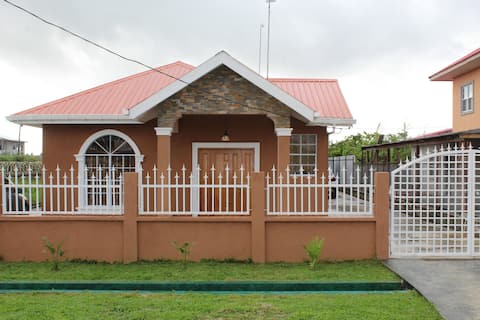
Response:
column 433, row 205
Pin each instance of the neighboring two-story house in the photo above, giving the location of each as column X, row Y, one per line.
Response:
column 464, row 74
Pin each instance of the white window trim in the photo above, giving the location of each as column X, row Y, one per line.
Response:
column 461, row 98
column 80, row 158
column 195, row 198
column 316, row 154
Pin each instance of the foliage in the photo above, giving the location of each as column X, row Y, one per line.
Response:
column 364, row 270
column 314, row 249
column 184, row 251
column 56, row 252
column 20, row 158
column 352, row 145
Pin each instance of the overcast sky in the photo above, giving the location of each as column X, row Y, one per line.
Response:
column 382, row 52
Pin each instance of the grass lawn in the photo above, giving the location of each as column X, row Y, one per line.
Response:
column 138, row 305
column 369, row 270
column 405, row 305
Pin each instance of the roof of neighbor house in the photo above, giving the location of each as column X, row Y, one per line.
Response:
column 10, row 139
column 128, row 100
column 445, row 136
column 461, row 66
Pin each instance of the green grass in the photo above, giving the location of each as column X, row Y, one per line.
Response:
column 137, row 305
column 365, row 270
column 405, row 305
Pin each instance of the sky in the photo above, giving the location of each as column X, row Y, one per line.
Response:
column 381, row 51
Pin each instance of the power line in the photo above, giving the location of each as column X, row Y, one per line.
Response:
column 64, row 29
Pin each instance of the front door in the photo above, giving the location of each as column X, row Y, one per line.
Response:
column 220, row 169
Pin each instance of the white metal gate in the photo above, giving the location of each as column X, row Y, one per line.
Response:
column 435, row 205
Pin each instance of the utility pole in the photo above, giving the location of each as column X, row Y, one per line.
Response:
column 260, row 51
column 19, row 141
column 268, row 35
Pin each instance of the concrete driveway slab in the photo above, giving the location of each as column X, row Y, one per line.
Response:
column 453, row 286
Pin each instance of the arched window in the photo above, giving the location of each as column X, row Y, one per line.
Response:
column 103, row 159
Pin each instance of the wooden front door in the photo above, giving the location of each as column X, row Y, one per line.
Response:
column 219, row 195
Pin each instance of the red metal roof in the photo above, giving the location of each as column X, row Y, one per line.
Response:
column 322, row 95
column 434, row 134
column 451, row 71
column 115, row 98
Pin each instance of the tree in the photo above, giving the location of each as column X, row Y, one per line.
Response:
column 352, row 145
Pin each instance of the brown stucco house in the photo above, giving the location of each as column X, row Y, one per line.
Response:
column 218, row 113
column 173, row 132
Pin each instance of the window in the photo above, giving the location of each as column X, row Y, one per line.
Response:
column 467, row 98
column 303, row 153
column 103, row 159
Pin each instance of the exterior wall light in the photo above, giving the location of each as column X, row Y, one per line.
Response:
column 225, row 136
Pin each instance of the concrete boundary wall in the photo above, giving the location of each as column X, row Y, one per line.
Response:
column 131, row 237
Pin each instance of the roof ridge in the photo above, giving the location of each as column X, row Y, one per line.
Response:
column 303, row 79
column 106, row 84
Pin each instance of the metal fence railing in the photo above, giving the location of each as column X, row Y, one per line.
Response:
column 58, row 192
column 215, row 191
column 319, row 193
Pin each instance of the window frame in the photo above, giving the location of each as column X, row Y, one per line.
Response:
column 294, row 166
column 462, row 98
column 81, row 158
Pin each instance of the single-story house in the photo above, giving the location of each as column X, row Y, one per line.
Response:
column 217, row 114
column 11, row 146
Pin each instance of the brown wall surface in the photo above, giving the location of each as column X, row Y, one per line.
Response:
column 467, row 121
column 342, row 240
column 217, row 240
column 241, row 128
column 97, row 240
column 62, row 142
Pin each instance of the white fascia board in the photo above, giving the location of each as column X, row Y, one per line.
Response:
column 332, row 122
column 441, row 74
column 39, row 120
column 222, row 58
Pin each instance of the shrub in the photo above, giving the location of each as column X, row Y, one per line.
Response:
column 314, row 249
column 56, row 252
column 184, row 251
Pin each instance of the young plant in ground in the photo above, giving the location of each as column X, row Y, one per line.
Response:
column 314, row 249
column 184, row 251
column 56, row 252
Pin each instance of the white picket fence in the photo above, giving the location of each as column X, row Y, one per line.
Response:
column 62, row 193
column 209, row 192
column 319, row 194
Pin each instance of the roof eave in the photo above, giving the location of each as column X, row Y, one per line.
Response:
column 332, row 122
column 39, row 120
column 451, row 72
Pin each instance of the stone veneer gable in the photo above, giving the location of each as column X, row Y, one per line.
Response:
column 222, row 91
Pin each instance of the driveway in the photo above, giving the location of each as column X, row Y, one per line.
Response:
column 453, row 286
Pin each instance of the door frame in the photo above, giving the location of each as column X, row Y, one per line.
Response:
column 227, row 145
column 195, row 191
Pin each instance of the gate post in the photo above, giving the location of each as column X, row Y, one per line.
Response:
column 381, row 202
column 1, row 194
column 130, row 238
column 258, row 245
